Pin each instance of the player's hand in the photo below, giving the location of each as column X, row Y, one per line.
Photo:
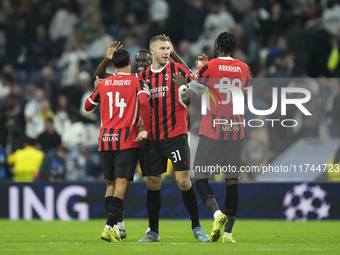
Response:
column 140, row 126
column 201, row 60
column 141, row 136
column 113, row 47
column 171, row 47
column 180, row 80
column 97, row 82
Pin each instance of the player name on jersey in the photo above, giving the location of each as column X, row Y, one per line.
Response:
column 235, row 69
column 117, row 82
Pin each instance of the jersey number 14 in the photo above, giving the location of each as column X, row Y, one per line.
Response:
column 120, row 104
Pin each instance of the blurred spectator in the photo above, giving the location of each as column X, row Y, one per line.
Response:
column 45, row 110
column 131, row 30
column 276, row 24
column 75, row 134
column 15, row 127
column 76, row 92
column 277, row 50
column 34, row 124
column 48, row 84
column 193, row 20
column 331, row 17
column 52, row 168
column 25, row 162
column 70, row 60
column 217, row 21
column 16, row 94
column 61, row 26
column 39, row 12
column 334, row 58
column 76, row 163
column 158, row 11
column 88, row 90
column 184, row 51
column 252, row 34
column 84, row 19
column 65, row 114
column 49, row 139
column 95, row 39
column 6, row 82
column 15, row 35
column 39, row 49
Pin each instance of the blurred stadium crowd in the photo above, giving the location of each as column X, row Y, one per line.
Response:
column 49, row 51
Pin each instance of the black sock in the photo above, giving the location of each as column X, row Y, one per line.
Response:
column 114, row 208
column 120, row 217
column 207, row 195
column 107, row 202
column 153, row 205
column 190, row 202
column 212, row 205
column 231, row 204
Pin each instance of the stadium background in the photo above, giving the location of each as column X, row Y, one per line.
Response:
column 50, row 49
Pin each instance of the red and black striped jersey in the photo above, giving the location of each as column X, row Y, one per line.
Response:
column 168, row 112
column 220, row 123
column 118, row 96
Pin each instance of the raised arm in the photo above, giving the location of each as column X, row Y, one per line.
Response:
column 174, row 55
column 101, row 69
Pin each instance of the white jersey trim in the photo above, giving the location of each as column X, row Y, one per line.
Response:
column 226, row 58
column 159, row 70
column 94, row 103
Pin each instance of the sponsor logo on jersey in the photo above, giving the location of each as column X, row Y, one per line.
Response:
column 110, row 137
column 158, row 92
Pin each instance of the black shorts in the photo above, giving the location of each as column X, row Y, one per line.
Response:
column 158, row 152
column 119, row 164
column 213, row 156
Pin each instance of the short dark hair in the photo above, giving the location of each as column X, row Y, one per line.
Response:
column 144, row 50
column 227, row 44
column 120, row 58
column 30, row 141
column 50, row 120
column 62, row 148
column 158, row 38
column 148, row 54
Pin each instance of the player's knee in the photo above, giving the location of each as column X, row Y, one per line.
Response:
column 154, row 183
column 184, row 184
column 109, row 183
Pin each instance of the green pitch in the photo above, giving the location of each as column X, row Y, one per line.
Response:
column 252, row 236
